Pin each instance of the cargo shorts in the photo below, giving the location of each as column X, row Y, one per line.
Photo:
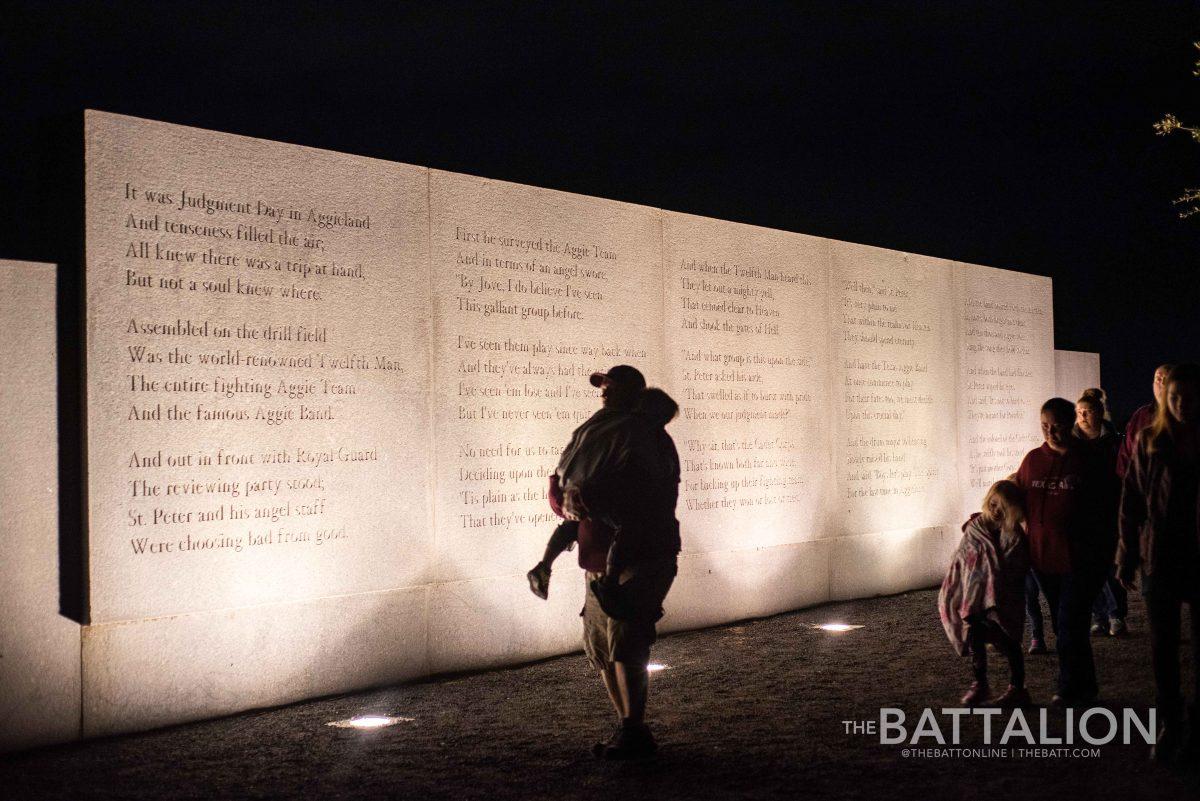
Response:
column 606, row 640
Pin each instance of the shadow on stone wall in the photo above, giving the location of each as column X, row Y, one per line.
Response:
column 56, row 225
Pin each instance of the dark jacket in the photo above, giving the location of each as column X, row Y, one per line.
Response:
column 1143, row 417
column 635, row 492
column 1106, row 447
column 1145, row 499
column 1105, row 491
column 593, row 444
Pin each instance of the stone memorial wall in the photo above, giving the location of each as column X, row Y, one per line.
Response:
column 895, row 410
column 258, row 333
column 531, row 290
column 39, row 649
column 1075, row 371
column 1006, row 363
column 258, row 421
column 894, row 417
column 747, row 344
column 324, row 393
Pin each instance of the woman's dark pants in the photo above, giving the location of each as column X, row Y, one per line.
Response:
column 1070, row 597
column 1165, row 595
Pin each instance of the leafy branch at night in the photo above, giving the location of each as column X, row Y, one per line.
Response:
column 1190, row 199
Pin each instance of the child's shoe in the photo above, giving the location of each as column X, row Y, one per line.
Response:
column 978, row 693
column 1014, row 697
column 539, row 580
column 1037, row 646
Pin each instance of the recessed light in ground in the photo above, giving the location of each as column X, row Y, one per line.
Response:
column 368, row 722
column 836, row 628
column 655, row 667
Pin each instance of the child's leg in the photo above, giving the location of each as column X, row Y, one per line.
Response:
column 1011, row 650
column 563, row 538
column 977, row 637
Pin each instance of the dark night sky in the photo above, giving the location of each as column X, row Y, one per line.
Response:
column 1013, row 135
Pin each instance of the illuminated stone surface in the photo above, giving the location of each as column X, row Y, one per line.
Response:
column 747, row 349
column 895, row 441
column 828, row 445
column 888, row 562
column 719, row 586
column 39, row 649
column 487, row 622
column 293, row 296
column 1075, row 371
column 1006, row 372
column 533, row 291
column 186, row 667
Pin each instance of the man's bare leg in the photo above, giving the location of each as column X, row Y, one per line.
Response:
column 633, row 739
column 634, row 685
column 611, row 683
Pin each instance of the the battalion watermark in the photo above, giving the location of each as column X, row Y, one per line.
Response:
column 1007, row 734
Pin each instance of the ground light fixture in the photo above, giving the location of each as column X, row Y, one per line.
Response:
column 836, row 628
column 655, row 667
column 368, row 722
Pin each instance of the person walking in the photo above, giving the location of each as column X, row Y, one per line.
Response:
column 1141, row 418
column 980, row 601
column 1064, row 488
column 634, row 493
column 1093, row 429
column 1159, row 548
column 619, row 476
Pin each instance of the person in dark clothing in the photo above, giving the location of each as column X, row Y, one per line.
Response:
column 1141, row 418
column 619, row 477
column 590, row 445
column 639, row 494
column 1070, row 547
column 1111, row 606
column 1160, row 548
column 656, row 408
column 635, row 493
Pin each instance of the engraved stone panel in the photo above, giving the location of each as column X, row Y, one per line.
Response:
column 1006, row 372
column 1075, row 371
column 487, row 622
column 888, row 562
column 138, row 675
column 39, row 649
column 324, row 394
column 534, row 290
column 747, row 340
column 894, row 390
column 258, row 323
column 719, row 586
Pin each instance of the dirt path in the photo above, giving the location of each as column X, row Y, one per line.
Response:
column 751, row 710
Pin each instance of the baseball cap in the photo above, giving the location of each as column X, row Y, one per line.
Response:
column 622, row 374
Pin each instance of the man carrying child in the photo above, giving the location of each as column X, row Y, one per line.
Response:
column 617, row 483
